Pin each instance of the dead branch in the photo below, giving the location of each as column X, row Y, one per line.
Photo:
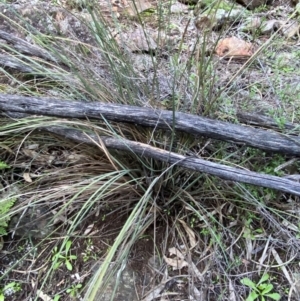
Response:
column 192, row 163
column 267, row 122
column 23, row 46
column 196, row 125
column 8, row 61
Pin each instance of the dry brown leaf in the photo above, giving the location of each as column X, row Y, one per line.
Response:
column 175, row 263
column 190, row 233
column 88, row 229
column 176, row 252
column 40, row 293
column 37, row 157
column 264, row 255
column 196, row 271
column 27, row 177
column 282, row 266
column 43, row 296
column 178, row 261
column 234, row 47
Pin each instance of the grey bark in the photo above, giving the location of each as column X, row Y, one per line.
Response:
column 8, row 61
column 23, row 46
column 192, row 163
column 267, row 122
column 267, row 140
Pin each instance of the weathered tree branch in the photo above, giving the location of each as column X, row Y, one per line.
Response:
column 23, row 46
column 8, row 61
column 196, row 164
column 267, row 122
column 196, row 125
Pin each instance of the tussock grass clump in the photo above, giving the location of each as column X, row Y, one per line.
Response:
column 98, row 224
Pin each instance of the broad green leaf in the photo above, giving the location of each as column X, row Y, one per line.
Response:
column 248, row 282
column 262, row 286
column 253, row 295
column 264, row 278
column 57, row 257
column 267, row 289
column 274, row 296
column 1, row 297
column 68, row 245
column 68, row 265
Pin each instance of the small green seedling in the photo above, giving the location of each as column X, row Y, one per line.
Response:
column 9, row 289
column 3, row 165
column 59, row 257
column 260, row 290
column 73, row 290
column 89, row 251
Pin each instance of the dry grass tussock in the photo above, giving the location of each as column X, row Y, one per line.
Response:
column 88, row 223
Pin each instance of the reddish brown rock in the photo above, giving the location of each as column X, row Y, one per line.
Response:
column 234, row 47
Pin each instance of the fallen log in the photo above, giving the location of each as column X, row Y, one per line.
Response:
column 25, row 47
column 192, row 163
column 15, row 64
column 267, row 122
column 267, row 140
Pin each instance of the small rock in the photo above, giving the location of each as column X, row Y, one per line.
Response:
column 215, row 19
column 291, row 30
column 234, row 47
column 251, row 24
column 269, row 26
column 137, row 40
column 179, row 8
column 203, row 23
column 142, row 62
column 136, row 7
